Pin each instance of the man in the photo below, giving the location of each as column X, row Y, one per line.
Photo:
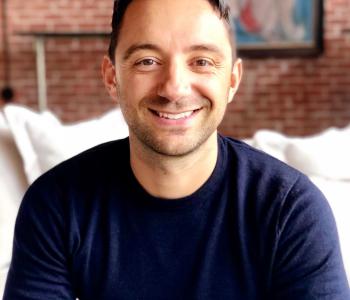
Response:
column 175, row 211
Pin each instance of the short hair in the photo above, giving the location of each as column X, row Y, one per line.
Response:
column 120, row 6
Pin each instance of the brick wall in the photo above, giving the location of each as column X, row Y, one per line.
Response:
column 296, row 96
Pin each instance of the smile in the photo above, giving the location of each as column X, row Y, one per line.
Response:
column 173, row 116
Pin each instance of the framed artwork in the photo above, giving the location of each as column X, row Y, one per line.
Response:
column 278, row 27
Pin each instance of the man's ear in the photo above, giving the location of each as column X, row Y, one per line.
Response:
column 236, row 77
column 109, row 77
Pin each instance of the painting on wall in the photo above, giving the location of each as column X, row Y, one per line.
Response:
column 278, row 27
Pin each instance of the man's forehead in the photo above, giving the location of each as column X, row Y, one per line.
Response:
column 164, row 4
column 184, row 22
column 171, row 13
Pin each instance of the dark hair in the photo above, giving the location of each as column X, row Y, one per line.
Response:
column 120, row 6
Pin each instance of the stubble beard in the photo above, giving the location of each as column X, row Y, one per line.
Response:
column 173, row 143
column 183, row 146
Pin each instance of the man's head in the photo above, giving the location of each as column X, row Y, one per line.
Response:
column 172, row 71
column 120, row 6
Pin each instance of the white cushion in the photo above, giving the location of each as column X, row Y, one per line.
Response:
column 325, row 155
column 12, row 187
column 271, row 142
column 18, row 117
column 44, row 141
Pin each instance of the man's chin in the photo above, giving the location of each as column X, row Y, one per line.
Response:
column 178, row 146
column 173, row 149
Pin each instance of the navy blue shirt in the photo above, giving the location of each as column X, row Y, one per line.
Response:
column 257, row 229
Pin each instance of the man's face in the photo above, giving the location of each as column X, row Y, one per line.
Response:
column 174, row 73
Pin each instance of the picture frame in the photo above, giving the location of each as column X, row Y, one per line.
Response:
column 278, row 28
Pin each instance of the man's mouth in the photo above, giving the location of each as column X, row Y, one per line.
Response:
column 175, row 116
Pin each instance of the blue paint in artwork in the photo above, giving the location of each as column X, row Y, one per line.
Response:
column 303, row 14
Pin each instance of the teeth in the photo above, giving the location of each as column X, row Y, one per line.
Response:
column 175, row 116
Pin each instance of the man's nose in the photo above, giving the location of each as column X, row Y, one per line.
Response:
column 175, row 82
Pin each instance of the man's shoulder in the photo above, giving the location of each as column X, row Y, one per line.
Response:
column 92, row 164
column 271, row 181
column 265, row 177
column 116, row 150
column 84, row 175
column 246, row 157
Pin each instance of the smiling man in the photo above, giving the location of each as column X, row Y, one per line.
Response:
column 175, row 211
column 173, row 85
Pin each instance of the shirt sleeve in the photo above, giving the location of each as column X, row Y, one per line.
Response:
column 308, row 263
column 40, row 266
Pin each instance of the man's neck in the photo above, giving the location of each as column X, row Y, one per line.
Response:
column 174, row 177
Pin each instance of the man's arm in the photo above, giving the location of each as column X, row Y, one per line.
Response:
column 308, row 262
column 39, row 267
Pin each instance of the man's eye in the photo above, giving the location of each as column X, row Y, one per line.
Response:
column 147, row 65
column 203, row 63
column 146, row 62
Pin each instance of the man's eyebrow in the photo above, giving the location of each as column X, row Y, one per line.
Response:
column 137, row 47
column 207, row 47
column 148, row 46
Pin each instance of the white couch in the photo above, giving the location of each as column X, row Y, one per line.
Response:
column 31, row 143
